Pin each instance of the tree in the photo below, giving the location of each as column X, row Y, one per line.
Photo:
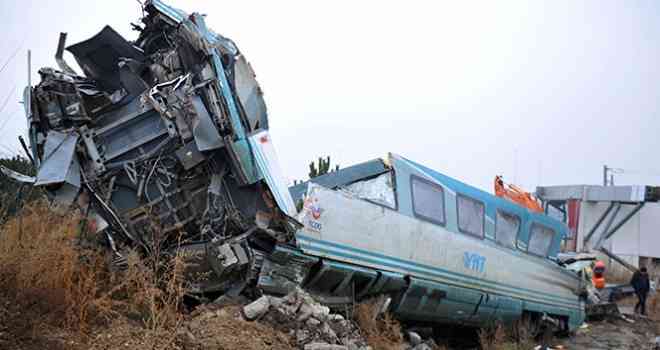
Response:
column 321, row 168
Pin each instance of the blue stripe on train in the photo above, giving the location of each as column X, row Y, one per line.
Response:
column 331, row 248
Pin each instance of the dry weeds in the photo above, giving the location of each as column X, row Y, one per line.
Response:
column 382, row 332
column 51, row 283
column 518, row 336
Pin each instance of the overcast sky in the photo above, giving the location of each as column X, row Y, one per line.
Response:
column 542, row 92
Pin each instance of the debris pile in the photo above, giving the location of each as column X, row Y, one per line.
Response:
column 312, row 325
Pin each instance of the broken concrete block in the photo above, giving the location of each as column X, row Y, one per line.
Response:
column 335, row 317
column 312, row 322
column 302, row 336
column 257, row 308
column 328, row 333
column 320, row 311
column 324, row 346
column 305, row 312
column 414, row 338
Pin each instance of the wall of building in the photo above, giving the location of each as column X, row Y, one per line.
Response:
column 650, row 231
column 639, row 237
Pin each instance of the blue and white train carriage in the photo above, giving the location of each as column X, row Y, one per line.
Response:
column 444, row 251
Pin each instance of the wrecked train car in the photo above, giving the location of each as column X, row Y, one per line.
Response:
column 163, row 141
column 445, row 252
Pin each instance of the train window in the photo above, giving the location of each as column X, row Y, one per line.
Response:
column 428, row 200
column 540, row 240
column 471, row 215
column 507, row 226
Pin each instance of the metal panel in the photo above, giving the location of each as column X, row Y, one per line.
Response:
column 58, row 156
column 189, row 156
column 249, row 94
column 270, row 170
column 205, row 132
column 99, row 57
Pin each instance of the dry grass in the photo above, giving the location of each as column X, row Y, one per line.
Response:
column 382, row 332
column 55, row 284
column 492, row 338
column 519, row 336
column 39, row 268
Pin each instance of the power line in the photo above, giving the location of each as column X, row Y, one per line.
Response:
column 4, row 103
column 11, row 57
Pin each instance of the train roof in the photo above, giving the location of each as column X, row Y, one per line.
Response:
column 375, row 167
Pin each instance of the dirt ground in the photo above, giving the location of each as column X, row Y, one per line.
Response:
column 209, row 328
column 614, row 334
column 631, row 332
column 205, row 329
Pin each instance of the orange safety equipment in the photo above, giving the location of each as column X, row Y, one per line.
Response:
column 517, row 195
column 598, row 278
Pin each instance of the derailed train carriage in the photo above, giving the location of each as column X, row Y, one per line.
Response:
column 164, row 143
column 442, row 250
column 164, row 140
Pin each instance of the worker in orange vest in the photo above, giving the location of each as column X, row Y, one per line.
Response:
column 598, row 276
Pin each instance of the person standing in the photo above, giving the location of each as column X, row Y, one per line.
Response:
column 641, row 285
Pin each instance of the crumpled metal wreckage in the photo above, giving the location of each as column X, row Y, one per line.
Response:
column 163, row 140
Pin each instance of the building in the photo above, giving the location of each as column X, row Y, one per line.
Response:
column 620, row 222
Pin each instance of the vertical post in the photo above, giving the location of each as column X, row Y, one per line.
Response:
column 29, row 68
column 604, row 175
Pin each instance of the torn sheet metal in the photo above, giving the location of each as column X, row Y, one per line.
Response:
column 156, row 134
column 379, row 190
column 337, row 179
column 206, row 135
column 58, row 164
column 99, row 57
column 17, row 176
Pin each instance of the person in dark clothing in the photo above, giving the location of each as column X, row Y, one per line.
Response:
column 641, row 285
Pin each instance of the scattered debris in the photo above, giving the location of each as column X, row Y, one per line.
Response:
column 311, row 324
column 257, row 308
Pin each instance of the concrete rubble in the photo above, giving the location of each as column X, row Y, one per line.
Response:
column 313, row 325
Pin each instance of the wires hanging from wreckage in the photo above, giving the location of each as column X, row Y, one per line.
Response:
column 164, row 138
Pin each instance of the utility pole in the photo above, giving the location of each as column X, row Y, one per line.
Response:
column 611, row 171
column 29, row 70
